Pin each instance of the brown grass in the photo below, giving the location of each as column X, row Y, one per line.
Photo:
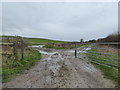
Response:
column 108, row 49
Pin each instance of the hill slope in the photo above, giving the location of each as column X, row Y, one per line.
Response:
column 35, row 41
column 41, row 40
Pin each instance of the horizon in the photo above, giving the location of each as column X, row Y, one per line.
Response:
column 52, row 39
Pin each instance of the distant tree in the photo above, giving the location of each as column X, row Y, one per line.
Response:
column 81, row 40
column 112, row 37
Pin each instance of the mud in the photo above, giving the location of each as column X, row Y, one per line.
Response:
column 60, row 69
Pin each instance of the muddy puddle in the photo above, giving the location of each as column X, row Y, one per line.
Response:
column 53, row 60
column 79, row 50
column 48, row 53
column 37, row 46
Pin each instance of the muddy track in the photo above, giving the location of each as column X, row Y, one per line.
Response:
column 60, row 69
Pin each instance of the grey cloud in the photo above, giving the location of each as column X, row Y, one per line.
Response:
column 62, row 21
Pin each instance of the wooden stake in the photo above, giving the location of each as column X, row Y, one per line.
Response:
column 22, row 49
column 15, row 50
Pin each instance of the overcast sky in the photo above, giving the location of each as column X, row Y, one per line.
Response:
column 60, row 21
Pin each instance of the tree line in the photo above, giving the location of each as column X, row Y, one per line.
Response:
column 110, row 38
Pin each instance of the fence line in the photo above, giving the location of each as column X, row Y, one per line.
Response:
column 16, row 44
column 102, row 64
column 106, row 63
column 22, row 49
column 103, row 58
column 109, row 49
column 106, row 43
column 106, row 53
column 15, row 50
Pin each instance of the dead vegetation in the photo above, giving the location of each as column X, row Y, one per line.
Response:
column 108, row 49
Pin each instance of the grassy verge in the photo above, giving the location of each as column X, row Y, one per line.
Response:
column 11, row 67
column 108, row 72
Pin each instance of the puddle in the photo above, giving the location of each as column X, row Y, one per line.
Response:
column 79, row 51
column 37, row 46
column 84, row 51
column 71, row 51
column 48, row 53
column 87, row 49
column 53, row 60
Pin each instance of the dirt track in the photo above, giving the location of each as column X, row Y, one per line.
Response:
column 60, row 69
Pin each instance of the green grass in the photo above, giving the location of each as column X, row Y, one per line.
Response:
column 37, row 41
column 109, row 72
column 11, row 67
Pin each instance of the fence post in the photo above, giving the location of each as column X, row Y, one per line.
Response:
column 75, row 51
column 15, row 50
column 8, row 40
column 22, row 49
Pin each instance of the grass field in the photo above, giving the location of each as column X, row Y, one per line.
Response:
column 37, row 41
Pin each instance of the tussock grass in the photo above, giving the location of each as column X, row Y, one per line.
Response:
column 11, row 67
column 69, row 47
column 66, row 47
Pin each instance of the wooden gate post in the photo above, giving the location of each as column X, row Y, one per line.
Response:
column 15, row 50
column 22, row 49
column 75, row 51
